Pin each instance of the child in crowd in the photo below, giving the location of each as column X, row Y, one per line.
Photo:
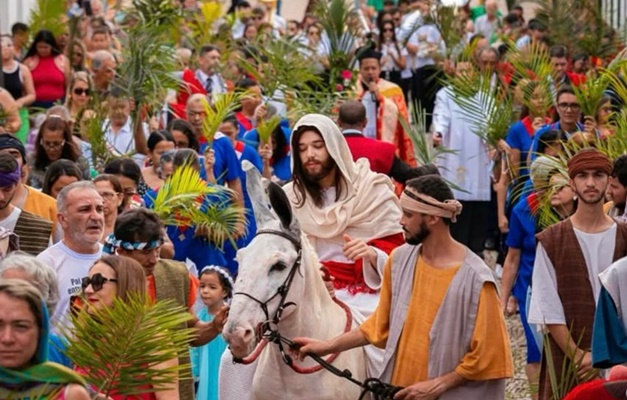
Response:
column 216, row 289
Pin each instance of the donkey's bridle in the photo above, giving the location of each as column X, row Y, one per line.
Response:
column 282, row 290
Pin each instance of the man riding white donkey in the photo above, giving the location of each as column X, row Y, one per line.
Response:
column 280, row 289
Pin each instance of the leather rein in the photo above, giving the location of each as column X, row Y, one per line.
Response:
column 269, row 331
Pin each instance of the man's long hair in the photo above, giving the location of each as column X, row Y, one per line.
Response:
column 303, row 186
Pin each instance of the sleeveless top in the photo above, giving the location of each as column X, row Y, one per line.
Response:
column 49, row 80
column 13, row 82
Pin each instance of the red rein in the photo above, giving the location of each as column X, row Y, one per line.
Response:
column 301, row 370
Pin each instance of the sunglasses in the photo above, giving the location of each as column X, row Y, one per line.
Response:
column 388, row 30
column 79, row 91
column 96, row 281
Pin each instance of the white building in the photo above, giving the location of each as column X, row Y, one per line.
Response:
column 12, row 11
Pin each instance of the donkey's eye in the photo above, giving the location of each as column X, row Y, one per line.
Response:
column 277, row 267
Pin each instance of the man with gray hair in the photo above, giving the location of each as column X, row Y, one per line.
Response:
column 103, row 66
column 80, row 214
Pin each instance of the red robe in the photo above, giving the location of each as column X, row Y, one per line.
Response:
column 380, row 154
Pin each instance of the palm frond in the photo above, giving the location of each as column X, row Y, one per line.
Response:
column 266, row 127
column 340, row 22
column 48, row 14
column 186, row 200
column 223, row 105
column 120, row 346
column 590, row 94
column 94, row 132
column 446, row 19
column 280, row 65
column 148, row 66
column 202, row 25
column 564, row 380
column 423, row 147
column 485, row 105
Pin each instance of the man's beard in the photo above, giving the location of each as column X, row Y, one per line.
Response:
column 327, row 168
column 419, row 237
column 598, row 199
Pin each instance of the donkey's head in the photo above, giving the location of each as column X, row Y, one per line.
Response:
column 266, row 265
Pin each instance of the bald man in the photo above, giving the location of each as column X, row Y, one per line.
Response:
column 382, row 155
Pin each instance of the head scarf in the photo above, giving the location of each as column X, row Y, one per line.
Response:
column 368, row 209
column 589, row 159
column 51, row 375
column 421, row 203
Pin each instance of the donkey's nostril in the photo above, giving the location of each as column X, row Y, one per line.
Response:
column 248, row 333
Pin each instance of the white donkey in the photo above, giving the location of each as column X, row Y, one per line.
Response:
column 280, row 286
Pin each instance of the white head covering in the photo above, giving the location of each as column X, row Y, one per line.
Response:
column 367, row 210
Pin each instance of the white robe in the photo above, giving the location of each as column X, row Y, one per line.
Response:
column 469, row 167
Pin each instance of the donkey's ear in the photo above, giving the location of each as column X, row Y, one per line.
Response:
column 257, row 194
column 282, row 207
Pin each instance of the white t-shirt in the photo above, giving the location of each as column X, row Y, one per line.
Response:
column 9, row 222
column 71, row 268
column 545, row 306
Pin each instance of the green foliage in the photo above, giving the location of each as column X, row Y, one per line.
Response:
column 280, row 65
column 179, row 202
column 50, row 15
column 266, row 127
column 577, row 24
column 485, row 105
column 564, row 380
column 342, row 26
column 446, row 19
column 93, row 130
column 424, row 150
column 148, row 57
column 215, row 113
column 120, row 346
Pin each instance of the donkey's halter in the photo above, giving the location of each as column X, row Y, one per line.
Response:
column 282, row 291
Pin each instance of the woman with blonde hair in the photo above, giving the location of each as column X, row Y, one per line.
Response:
column 116, row 277
column 78, row 100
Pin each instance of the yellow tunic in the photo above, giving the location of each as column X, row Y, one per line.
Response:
column 489, row 356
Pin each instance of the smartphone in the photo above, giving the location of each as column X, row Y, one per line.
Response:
column 87, row 7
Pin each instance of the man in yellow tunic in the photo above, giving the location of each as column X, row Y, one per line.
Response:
column 444, row 335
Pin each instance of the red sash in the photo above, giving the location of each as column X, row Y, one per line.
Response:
column 245, row 122
column 350, row 276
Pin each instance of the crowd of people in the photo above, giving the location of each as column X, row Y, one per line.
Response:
column 401, row 239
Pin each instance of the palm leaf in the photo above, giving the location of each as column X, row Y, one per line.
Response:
column 564, row 380
column 266, row 127
column 182, row 201
column 339, row 21
column 590, row 94
column 48, row 14
column 94, row 134
column 119, row 346
column 424, row 150
column 224, row 105
column 485, row 105
column 446, row 19
column 280, row 66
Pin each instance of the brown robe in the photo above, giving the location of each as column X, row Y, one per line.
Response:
column 575, row 292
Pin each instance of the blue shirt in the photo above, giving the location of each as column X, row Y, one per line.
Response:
column 186, row 244
column 519, row 138
column 282, row 168
column 522, row 236
column 227, row 167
